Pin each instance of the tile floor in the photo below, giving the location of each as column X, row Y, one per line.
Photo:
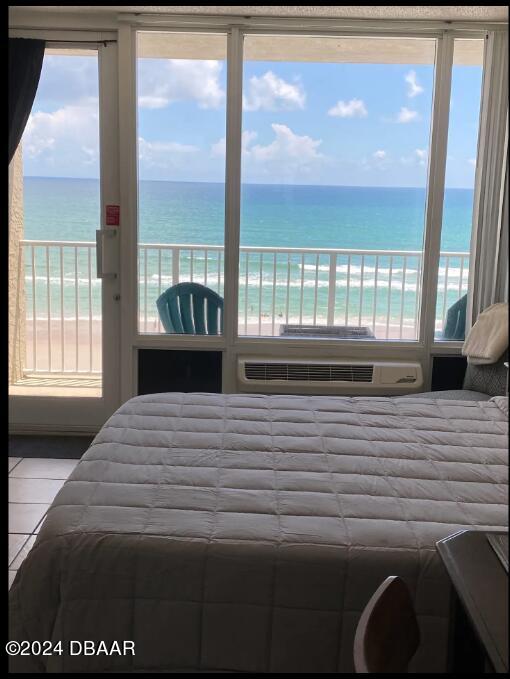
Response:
column 33, row 484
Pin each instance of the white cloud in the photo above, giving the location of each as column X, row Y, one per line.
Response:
column 91, row 155
column 379, row 160
column 287, row 146
column 169, row 160
column 66, row 80
column 247, row 137
column 286, row 149
column 351, row 109
column 153, row 150
column 418, row 158
column 270, row 93
column 162, row 82
column 472, row 161
column 422, row 155
column 405, row 115
column 219, row 147
column 35, row 141
column 414, row 88
column 288, row 158
column 67, row 137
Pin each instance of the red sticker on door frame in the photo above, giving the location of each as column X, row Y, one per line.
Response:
column 112, row 215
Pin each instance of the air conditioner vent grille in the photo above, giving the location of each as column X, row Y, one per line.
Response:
column 308, row 372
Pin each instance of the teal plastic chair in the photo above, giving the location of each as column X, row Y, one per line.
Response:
column 455, row 326
column 190, row 309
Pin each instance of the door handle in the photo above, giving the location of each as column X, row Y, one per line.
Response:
column 102, row 270
column 99, row 253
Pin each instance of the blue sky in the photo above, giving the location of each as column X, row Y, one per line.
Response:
column 303, row 123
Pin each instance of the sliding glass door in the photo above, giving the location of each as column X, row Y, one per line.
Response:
column 63, row 311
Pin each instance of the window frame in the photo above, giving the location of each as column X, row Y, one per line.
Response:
column 231, row 343
column 447, row 346
column 434, row 188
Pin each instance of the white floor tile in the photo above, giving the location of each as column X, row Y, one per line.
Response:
column 33, row 490
column 23, row 553
column 12, row 574
column 23, row 518
column 13, row 461
column 42, row 468
column 16, row 542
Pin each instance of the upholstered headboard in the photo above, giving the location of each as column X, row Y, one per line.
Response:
column 490, row 379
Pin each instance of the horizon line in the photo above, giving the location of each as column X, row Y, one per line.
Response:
column 185, row 181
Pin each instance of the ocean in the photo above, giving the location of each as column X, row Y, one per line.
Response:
column 272, row 215
column 278, row 216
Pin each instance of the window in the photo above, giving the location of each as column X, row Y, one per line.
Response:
column 181, row 83
column 335, row 146
column 334, row 166
column 453, row 272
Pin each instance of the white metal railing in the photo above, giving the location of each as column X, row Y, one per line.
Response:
column 62, row 307
column 375, row 288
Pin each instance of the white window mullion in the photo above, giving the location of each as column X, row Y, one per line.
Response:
column 110, row 195
column 435, row 188
column 490, row 177
column 129, row 208
column 232, row 201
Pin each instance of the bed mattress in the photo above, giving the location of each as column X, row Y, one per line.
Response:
column 247, row 532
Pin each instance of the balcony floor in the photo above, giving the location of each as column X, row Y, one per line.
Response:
column 57, row 385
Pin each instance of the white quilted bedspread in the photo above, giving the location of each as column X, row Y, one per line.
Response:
column 247, row 532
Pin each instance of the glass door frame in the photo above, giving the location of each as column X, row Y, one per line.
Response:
column 132, row 339
column 86, row 414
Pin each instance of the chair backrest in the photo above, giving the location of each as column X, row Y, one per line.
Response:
column 387, row 635
column 455, row 326
column 191, row 309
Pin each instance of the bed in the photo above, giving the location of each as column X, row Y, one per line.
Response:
column 247, row 532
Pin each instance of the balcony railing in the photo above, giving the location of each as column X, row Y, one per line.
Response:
column 374, row 288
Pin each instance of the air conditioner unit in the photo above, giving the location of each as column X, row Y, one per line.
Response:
column 316, row 373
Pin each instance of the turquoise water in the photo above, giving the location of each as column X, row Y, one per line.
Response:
column 272, row 216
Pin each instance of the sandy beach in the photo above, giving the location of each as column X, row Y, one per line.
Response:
column 76, row 346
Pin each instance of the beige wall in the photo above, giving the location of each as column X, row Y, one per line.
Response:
column 16, row 270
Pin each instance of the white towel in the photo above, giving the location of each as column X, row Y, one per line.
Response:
column 488, row 338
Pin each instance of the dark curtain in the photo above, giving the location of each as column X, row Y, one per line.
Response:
column 25, row 62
